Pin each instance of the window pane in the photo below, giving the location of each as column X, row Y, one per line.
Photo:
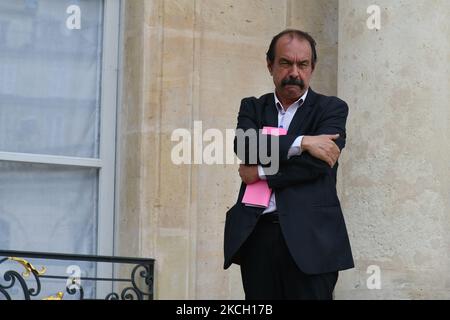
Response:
column 48, row 208
column 50, row 77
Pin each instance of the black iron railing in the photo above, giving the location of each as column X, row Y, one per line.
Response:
column 55, row 276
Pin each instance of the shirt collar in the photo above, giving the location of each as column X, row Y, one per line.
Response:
column 295, row 105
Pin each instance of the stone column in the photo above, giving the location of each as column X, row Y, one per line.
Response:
column 320, row 19
column 395, row 170
column 232, row 38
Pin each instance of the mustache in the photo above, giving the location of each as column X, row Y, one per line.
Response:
column 293, row 82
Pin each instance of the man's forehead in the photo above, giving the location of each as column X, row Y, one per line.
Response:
column 289, row 45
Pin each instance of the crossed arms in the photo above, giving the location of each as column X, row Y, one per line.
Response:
column 319, row 151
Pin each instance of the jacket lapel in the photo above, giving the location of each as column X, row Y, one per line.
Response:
column 271, row 112
column 302, row 112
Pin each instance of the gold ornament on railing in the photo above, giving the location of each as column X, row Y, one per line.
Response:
column 59, row 295
column 28, row 267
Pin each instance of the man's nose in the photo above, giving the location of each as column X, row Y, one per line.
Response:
column 294, row 72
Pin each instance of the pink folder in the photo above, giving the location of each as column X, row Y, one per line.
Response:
column 274, row 131
column 258, row 194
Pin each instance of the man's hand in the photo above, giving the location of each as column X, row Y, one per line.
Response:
column 322, row 147
column 249, row 174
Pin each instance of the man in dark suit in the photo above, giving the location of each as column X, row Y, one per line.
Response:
column 294, row 248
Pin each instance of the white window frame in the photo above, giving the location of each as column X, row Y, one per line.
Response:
column 108, row 126
column 107, row 153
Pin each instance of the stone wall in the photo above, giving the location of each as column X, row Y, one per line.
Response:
column 395, row 171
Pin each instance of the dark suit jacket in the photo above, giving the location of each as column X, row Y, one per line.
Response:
column 310, row 214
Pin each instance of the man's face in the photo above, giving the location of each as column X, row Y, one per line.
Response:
column 291, row 69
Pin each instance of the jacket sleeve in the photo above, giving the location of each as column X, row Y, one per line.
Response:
column 305, row 167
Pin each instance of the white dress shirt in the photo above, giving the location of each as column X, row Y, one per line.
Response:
column 284, row 121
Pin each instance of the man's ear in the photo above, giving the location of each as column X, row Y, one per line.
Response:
column 269, row 67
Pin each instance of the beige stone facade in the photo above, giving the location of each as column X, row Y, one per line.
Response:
column 194, row 60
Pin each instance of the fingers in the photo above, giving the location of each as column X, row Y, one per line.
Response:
column 241, row 171
column 335, row 156
column 248, row 173
column 325, row 155
column 331, row 136
column 329, row 161
column 335, row 137
column 334, row 152
column 331, row 148
column 331, row 153
column 324, row 148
